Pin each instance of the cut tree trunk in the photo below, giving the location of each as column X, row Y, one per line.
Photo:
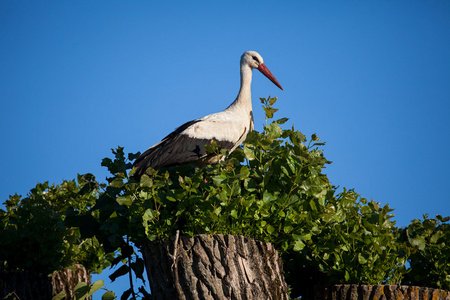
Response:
column 25, row 285
column 214, row 267
column 66, row 280
column 375, row 292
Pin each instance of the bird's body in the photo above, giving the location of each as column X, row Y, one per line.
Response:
column 227, row 128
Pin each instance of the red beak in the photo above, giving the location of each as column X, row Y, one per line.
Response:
column 263, row 69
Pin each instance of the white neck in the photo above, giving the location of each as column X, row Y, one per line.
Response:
column 244, row 97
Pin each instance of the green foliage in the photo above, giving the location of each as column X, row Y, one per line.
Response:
column 83, row 291
column 35, row 236
column 273, row 189
column 263, row 191
column 430, row 259
column 353, row 241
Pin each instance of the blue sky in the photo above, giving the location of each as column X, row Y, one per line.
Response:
column 372, row 79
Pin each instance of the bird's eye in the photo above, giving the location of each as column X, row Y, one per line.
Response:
column 255, row 58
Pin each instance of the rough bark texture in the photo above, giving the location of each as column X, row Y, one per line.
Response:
column 214, row 267
column 25, row 285
column 66, row 280
column 379, row 292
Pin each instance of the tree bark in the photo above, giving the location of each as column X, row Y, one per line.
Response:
column 373, row 292
column 25, row 285
column 66, row 280
column 214, row 267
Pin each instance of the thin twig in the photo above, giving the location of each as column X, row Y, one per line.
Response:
column 174, row 257
column 174, row 264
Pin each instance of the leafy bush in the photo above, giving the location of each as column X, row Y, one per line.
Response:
column 272, row 189
column 354, row 241
column 430, row 259
column 34, row 236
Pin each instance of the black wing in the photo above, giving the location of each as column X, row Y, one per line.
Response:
column 175, row 149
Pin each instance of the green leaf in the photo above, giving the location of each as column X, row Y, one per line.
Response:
column 347, row 276
column 287, row 229
column 109, row 296
column 81, row 291
column 361, row 259
column 125, row 200
column 219, row 179
column 274, row 131
column 244, row 172
column 313, row 205
column 418, row 242
column 118, row 183
column 61, row 295
column 234, row 214
column 170, row 198
column 282, row 120
column 272, row 100
column 145, row 181
column 96, row 286
column 249, row 152
column 436, row 236
column 270, row 111
column 148, row 215
column 299, row 245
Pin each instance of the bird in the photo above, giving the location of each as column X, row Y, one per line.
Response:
column 228, row 128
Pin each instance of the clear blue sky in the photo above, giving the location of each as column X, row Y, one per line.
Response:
column 372, row 79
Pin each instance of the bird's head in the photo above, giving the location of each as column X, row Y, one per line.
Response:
column 255, row 61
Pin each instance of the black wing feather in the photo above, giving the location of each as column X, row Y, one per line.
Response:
column 175, row 149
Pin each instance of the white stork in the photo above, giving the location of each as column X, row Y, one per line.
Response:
column 227, row 128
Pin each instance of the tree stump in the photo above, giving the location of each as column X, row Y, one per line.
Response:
column 214, row 267
column 66, row 280
column 375, row 292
